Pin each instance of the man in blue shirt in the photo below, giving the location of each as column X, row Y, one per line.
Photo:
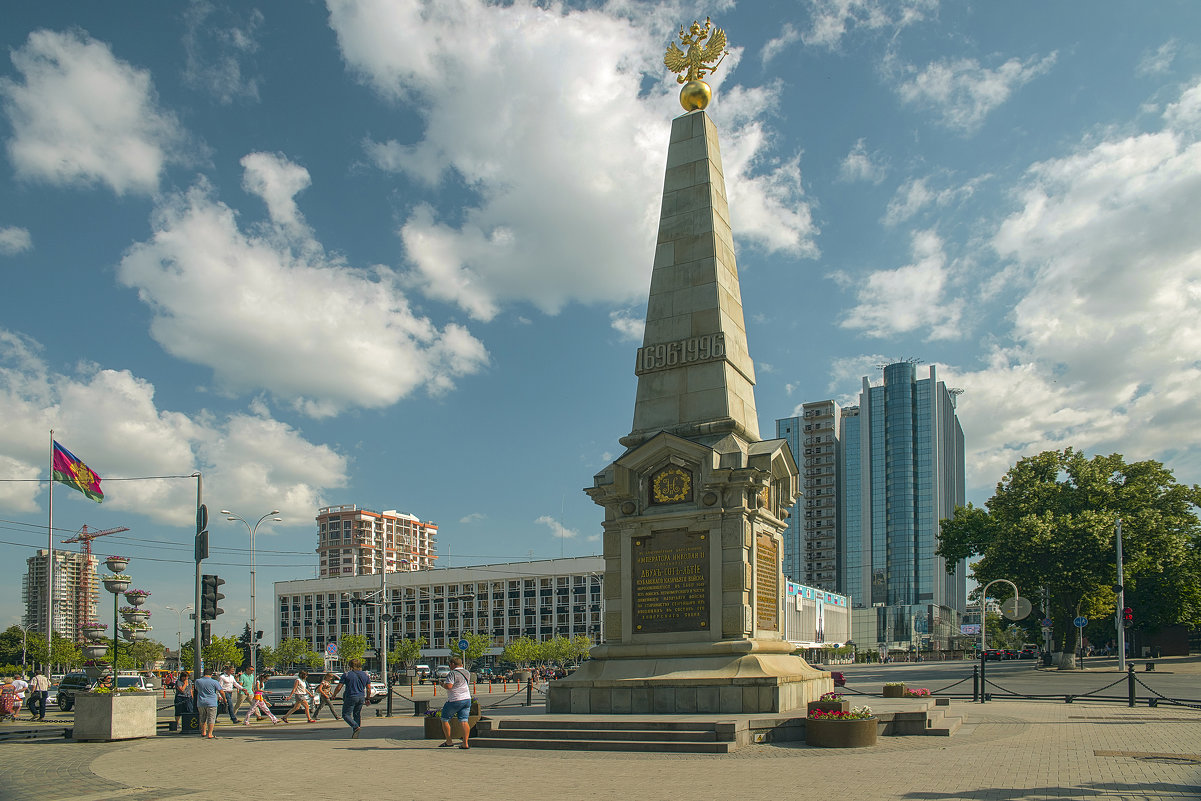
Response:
column 208, row 690
column 356, row 682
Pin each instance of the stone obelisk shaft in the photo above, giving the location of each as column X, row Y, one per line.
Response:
column 695, row 376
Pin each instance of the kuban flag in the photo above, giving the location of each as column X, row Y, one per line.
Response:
column 75, row 473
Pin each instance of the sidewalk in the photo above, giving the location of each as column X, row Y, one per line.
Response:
column 1006, row 750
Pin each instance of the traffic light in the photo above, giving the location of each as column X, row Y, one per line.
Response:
column 206, row 635
column 1128, row 617
column 209, row 597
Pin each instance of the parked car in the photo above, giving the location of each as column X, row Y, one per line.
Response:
column 72, row 683
column 277, row 692
column 134, row 683
column 442, row 673
column 378, row 692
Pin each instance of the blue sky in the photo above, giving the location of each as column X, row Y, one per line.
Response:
column 396, row 253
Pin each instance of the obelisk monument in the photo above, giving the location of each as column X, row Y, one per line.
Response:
column 695, row 506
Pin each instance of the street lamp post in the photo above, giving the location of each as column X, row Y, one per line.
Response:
column 254, row 624
column 984, row 630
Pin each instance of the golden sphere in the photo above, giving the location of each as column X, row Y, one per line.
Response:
column 695, row 95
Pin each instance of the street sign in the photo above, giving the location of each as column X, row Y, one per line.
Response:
column 1046, row 622
column 463, row 645
column 1080, row 622
column 331, row 649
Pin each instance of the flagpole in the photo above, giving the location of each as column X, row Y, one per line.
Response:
column 50, row 559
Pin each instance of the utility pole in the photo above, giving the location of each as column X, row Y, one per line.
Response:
column 202, row 552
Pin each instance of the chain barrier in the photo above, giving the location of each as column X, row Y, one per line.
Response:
column 949, row 686
column 1161, row 697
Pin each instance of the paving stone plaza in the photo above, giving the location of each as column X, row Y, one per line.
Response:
column 1006, row 750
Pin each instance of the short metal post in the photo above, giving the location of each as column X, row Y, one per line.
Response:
column 388, row 683
column 983, row 680
column 975, row 683
column 1130, row 684
column 529, row 692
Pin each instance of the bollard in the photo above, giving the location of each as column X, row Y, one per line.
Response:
column 1130, row 684
column 529, row 693
column 983, row 682
column 975, row 683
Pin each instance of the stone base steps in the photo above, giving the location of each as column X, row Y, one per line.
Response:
column 694, row 734
column 702, row 737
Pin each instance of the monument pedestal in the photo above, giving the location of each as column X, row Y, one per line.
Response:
column 729, row 683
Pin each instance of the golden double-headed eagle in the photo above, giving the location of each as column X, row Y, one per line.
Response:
column 695, row 62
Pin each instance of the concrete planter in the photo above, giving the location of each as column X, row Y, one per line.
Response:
column 841, row 733
column 829, row 706
column 433, row 725
column 895, row 691
column 102, row 717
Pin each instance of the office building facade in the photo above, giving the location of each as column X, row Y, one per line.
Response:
column 902, row 471
column 538, row 599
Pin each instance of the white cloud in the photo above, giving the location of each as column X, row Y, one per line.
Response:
column 109, row 419
column 831, row 20
column 80, row 116
column 557, row 529
column 273, row 312
column 14, row 240
column 1106, row 254
column 962, row 92
column 565, row 165
column 916, row 194
column 1158, row 61
column 860, row 165
column 215, row 54
column 909, row 298
column 474, row 517
column 774, row 47
column 277, row 181
column 629, row 328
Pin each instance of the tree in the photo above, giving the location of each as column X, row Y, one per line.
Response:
column 521, row 652
column 581, row 644
column 1050, row 524
column 477, row 646
column 351, row 646
column 407, row 652
column 222, row 651
column 291, row 651
column 557, row 650
column 143, row 653
column 268, row 656
column 313, row 660
column 65, row 653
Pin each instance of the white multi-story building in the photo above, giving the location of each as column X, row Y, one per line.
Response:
column 76, row 591
column 353, row 541
column 537, row 599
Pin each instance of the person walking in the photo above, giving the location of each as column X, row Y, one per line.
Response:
column 458, row 703
column 246, row 682
column 39, row 689
column 323, row 696
column 185, row 704
column 231, row 690
column 258, row 704
column 19, row 686
column 356, row 683
column 300, row 694
column 208, row 693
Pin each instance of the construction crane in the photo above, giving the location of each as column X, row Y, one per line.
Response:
column 83, row 591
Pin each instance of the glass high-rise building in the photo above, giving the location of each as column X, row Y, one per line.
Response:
column 902, row 471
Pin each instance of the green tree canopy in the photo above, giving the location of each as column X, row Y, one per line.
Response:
column 477, row 646
column 407, row 652
column 291, row 651
column 222, row 651
column 522, row 651
column 1051, row 524
column 351, row 646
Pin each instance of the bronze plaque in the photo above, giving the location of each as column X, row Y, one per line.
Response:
column 767, row 584
column 670, row 582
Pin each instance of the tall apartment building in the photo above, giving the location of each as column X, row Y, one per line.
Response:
column 76, row 591
column 902, row 472
column 811, row 553
column 351, row 541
